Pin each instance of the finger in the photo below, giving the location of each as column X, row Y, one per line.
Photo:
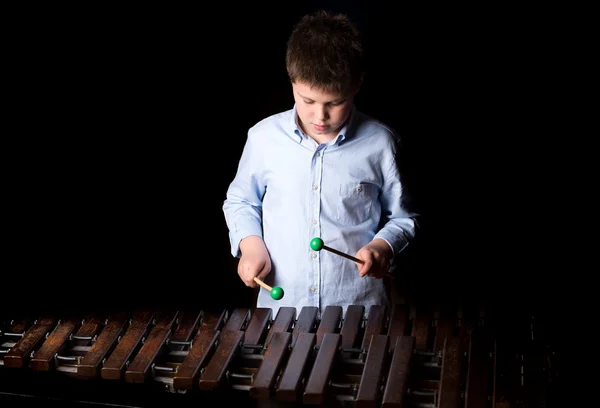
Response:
column 262, row 274
column 365, row 268
column 364, row 271
column 251, row 274
column 247, row 276
column 241, row 274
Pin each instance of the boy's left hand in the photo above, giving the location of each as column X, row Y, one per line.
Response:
column 376, row 255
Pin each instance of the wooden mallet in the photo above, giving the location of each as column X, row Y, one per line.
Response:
column 276, row 291
column 317, row 244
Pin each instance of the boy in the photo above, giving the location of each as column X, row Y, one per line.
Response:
column 321, row 169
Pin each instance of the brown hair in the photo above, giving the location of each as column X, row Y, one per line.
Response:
column 325, row 50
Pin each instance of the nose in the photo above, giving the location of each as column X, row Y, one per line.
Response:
column 322, row 113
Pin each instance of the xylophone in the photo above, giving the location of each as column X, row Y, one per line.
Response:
column 406, row 356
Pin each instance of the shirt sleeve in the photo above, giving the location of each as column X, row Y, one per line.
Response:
column 243, row 203
column 399, row 221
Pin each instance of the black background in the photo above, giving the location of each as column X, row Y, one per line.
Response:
column 124, row 127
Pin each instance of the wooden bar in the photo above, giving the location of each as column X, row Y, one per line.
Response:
column 370, row 382
column 330, row 322
column 231, row 339
column 273, row 359
column 275, row 355
column 10, row 334
column 238, row 320
column 189, row 321
column 176, row 348
column 43, row 360
column 282, row 323
column 421, row 328
column 296, row 368
column 19, row 326
column 77, row 345
column 202, row 348
column 449, row 391
column 306, row 322
column 351, row 326
column 397, row 380
column 19, row 355
column 478, row 369
column 140, row 368
column 90, row 364
column 117, row 362
column 446, row 324
column 314, row 393
column 398, row 323
column 257, row 327
column 90, row 326
column 375, row 324
column 230, row 342
column 506, row 390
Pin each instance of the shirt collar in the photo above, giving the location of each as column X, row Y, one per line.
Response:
column 296, row 127
column 345, row 131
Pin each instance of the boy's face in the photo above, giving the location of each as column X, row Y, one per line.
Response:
column 321, row 114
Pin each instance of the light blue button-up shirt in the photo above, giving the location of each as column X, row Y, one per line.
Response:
column 289, row 189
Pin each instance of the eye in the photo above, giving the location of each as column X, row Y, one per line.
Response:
column 308, row 102
column 338, row 103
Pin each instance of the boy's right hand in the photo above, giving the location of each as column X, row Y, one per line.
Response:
column 255, row 260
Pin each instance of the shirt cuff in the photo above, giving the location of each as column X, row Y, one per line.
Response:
column 236, row 237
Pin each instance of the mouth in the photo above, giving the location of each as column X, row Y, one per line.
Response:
column 319, row 128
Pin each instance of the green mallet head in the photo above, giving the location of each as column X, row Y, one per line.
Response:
column 276, row 293
column 317, row 244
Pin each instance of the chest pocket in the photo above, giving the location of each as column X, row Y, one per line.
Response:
column 356, row 201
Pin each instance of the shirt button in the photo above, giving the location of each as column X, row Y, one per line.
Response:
column 314, row 255
column 358, row 189
column 315, row 187
column 313, row 289
column 314, row 221
column 317, row 154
